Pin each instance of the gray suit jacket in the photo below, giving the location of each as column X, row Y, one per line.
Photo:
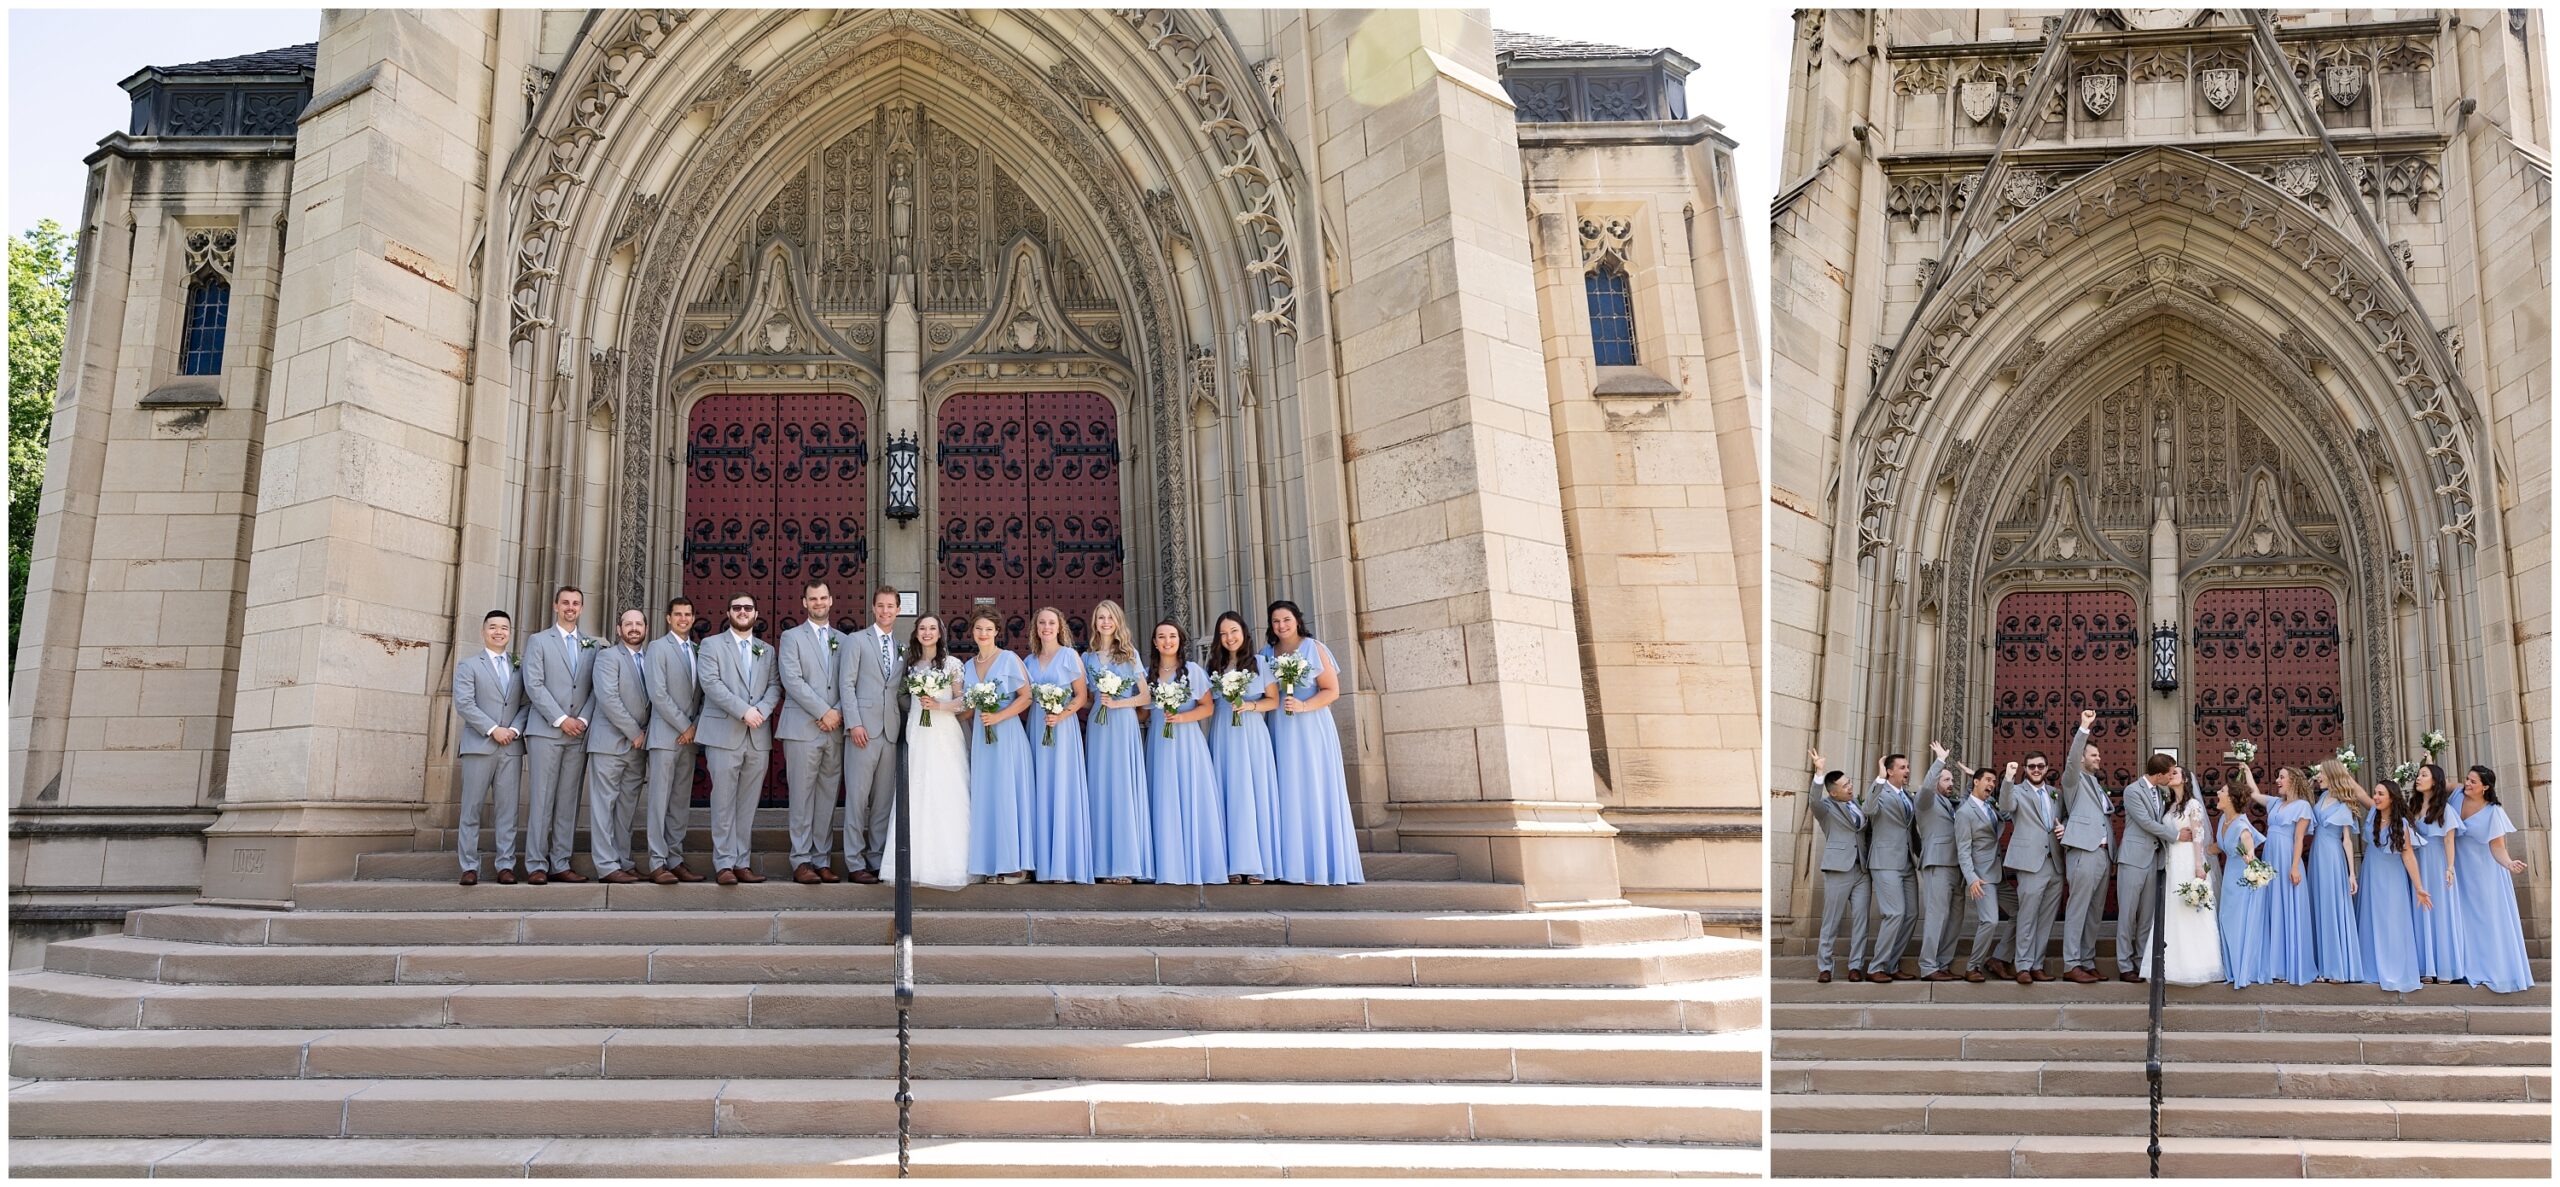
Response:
column 869, row 691
column 808, row 682
column 2084, row 802
column 674, row 698
column 1977, row 840
column 621, row 722
column 1843, row 849
column 1888, row 827
column 481, row 705
column 2032, row 812
column 2147, row 831
column 731, row 685
column 557, row 678
column 1937, row 820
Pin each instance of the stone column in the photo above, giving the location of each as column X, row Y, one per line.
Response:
column 353, row 565
column 905, row 547
column 1462, row 599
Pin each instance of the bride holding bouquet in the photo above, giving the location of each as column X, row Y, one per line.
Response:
column 2194, row 937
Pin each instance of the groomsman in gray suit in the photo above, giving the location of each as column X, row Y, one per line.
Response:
column 2085, row 838
column 872, row 725
column 1844, row 867
column 558, row 666
column 488, row 699
column 1889, row 848
column 812, row 753
column 618, row 749
column 740, row 687
column 675, row 699
column 2035, row 852
column 1977, row 845
column 1941, row 896
column 2147, row 836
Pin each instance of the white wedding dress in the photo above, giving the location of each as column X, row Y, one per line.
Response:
column 938, row 788
column 2194, row 939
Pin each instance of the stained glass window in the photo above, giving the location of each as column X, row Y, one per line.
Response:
column 208, row 313
column 1613, row 315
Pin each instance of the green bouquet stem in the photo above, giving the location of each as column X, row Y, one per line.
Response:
column 990, row 731
column 1049, row 734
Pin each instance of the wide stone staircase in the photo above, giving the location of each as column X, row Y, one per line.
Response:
column 1958, row 1080
column 397, row 1023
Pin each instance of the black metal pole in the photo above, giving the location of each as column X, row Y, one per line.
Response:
column 2159, row 941
column 906, row 972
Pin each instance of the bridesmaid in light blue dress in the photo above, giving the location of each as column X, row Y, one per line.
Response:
column 1115, row 760
column 1183, row 796
column 1061, row 809
column 1001, row 839
column 2334, row 948
column 1240, row 746
column 2240, row 909
column 1316, row 841
column 2439, row 928
column 2485, row 890
column 2287, row 956
column 2387, row 895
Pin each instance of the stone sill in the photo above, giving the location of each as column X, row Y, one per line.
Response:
column 1633, row 381
column 188, row 393
column 119, row 144
column 1591, row 133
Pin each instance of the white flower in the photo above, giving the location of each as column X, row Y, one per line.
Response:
column 2433, row 742
column 2244, row 751
column 2196, row 894
column 2348, row 758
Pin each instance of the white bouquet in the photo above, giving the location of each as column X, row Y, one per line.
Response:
column 2195, row 894
column 1289, row 671
column 927, row 685
column 1112, row 686
column 1171, row 696
column 2433, row 743
column 2348, row 758
column 984, row 698
column 2404, row 774
column 2244, row 751
column 1051, row 698
column 1231, row 685
column 2257, row 873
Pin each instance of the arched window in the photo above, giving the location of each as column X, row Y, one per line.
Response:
column 208, row 313
column 1613, row 314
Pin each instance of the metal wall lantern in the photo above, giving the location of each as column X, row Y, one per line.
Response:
column 902, row 455
column 2164, row 657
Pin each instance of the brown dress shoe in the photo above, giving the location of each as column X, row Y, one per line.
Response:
column 537, row 878
column 684, row 873
column 804, row 874
column 1822, row 978
column 1940, row 975
column 1857, row 975
column 728, row 877
column 2080, row 977
column 507, row 876
column 2129, row 977
column 1974, row 976
column 829, row 874
column 471, row 877
column 570, row 876
column 2042, row 975
column 1880, row 978
column 748, row 875
column 2024, row 979
column 620, row 878
column 867, row 877
column 666, row 877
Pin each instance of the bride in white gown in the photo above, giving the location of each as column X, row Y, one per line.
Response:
column 937, row 772
column 2194, row 938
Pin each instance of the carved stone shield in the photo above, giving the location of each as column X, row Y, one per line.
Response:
column 2024, row 188
column 1979, row 96
column 2345, row 84
column 2299, row 177
column 2098, row 93
column 2221, row 86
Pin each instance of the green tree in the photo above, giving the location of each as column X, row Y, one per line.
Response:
column 40, row 263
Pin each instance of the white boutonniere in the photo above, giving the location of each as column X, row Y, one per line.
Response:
column 758, row 649
column 831, row 642
column 589, row 643
column 515, row 661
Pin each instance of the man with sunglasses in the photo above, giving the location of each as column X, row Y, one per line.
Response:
column 741, row 685
column 2035, row 854
column 2087, row 866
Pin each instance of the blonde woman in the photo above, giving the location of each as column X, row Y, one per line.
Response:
column 2335, row 951
column 1115, row 759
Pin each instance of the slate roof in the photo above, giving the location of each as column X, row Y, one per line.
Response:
column 287, row 60
column 1530, row 47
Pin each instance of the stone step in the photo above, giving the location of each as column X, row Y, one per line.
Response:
column 785, row 895
column 2382, row 1050
column 1699, row 1007
column 748, row 1157
column 771, row 851
column 2031, row 1078
column 2181, row 1018
column 52, row 1051
column 2180, row 1117
column 1803, row 968
column 1567, row 928
column 1658, row 962
column 1868, row 1155
column 2007, row 994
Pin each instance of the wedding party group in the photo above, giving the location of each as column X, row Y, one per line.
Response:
column 2404, row 884
column 1124, row 762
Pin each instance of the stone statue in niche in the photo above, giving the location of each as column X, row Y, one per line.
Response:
column 902, row 217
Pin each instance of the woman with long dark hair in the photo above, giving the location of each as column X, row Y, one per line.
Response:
column 1240, row 747
column 1317, row 843
column 1183, row 796
column 2242, row 911
column 2389, row 896
column 1001, row 838
column 2437, row 930
column 2493, row 952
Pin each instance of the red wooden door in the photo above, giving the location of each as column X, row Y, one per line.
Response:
column 774, row 498
column 2266, row 671
column 2056, row 654
column 1027, row 496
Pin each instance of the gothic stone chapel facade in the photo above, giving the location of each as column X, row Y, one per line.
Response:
column 2189, row 365
column 1188, row 309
